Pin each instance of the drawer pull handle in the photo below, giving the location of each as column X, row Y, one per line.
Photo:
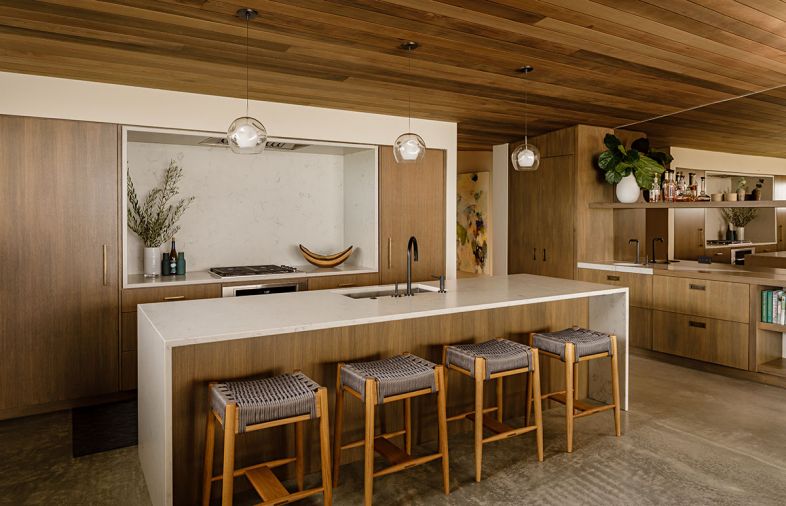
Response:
column 613, row 278
column 346, row 285
column 698, row 325
column 175, row 297
column 698, row 287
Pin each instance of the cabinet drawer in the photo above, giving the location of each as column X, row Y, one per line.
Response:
column 700, row 297
column 332, row 282
column 134, row 296
column 640, row 328
column 640, row 285
column 717, row 341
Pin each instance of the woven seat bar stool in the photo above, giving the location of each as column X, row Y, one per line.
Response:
column 250, row 405
column 488, row 361
column 380, row 382
column 573, row 346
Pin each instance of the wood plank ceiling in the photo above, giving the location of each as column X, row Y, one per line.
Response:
column 603, row 62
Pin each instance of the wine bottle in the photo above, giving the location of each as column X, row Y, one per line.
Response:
column 173, row 259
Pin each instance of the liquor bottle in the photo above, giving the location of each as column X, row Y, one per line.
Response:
column 703, row 197
column 664, row 196
column 165, row 264
column 173, row 259
column 655, row 191
column 181, row 263
column 694, row 187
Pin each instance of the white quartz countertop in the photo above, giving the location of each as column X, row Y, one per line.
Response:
column 203, row 277
column 211, row 320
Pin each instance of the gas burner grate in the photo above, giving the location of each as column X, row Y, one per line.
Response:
column 251, row 270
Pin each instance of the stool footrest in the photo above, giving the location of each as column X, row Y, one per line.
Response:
column 392, row 453
column 585, row 407
column 492, row 424
column 266, row 484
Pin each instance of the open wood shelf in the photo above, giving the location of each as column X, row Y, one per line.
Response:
column 692, row 205
column 776, row 367
column 774, row 327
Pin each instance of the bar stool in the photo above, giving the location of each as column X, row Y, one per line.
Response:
column 494, row 360
column 381, row 382
column 250, row 405
column 572, row 346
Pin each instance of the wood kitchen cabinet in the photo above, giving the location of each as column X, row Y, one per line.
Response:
column 343, row 281
column 411, row 203
column 59, row 242
column 550, row 224
column 689, row 234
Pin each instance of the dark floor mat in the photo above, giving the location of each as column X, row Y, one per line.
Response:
column 104, row 427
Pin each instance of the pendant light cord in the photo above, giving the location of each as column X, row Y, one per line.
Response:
column 247, row 18
column 409, row 90
column 526, row 107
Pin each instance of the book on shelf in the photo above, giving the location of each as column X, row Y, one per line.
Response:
column 773, row 306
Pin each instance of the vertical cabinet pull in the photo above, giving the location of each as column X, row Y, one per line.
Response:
column 105, row 265
column 544, row 254
column 534, row 253
column 390, row 252
column 701, row 238
column 780, row 233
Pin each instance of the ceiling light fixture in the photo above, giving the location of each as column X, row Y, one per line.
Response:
column 246, row 135
column 409, row 147
column 525, row 157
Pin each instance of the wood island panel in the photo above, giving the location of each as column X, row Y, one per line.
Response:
column 317, row 354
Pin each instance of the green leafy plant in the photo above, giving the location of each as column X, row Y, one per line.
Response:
column 155, row 219
column 644, row 163
column 739, row 216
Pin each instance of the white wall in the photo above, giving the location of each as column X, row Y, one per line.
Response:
column 252, row 210
column 499, row 212
column 49, row 97
column 715, row 161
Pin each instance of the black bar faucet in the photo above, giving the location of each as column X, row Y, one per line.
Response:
column 654, row 240
column 412, row 254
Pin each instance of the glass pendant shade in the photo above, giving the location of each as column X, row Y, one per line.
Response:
column 247, row 136
column 525, row 157
column 409, row 148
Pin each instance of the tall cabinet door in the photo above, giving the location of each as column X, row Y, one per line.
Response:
column 525, row 201
column 556, row 214
column 59, row 294
column 411, row 203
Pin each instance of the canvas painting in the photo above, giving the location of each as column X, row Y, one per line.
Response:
column 471, row 226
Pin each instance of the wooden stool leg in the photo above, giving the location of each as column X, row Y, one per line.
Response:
column 210, row 442
column 338, row 426
column 615, row 386
column 228, row 475
column 324, row 445
column 576, row 381
column 480, row 375
column 499, row 399
column 535, row 381
column 408, row 426
column 300, row 467
column 442, row 418
column 445, row 371
column 528, row 408
column 368, row 443
column 569, row 359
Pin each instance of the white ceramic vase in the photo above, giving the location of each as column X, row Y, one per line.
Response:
column 628, row 190
column 152, row 265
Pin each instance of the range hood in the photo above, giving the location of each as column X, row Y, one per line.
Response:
column 271, row 145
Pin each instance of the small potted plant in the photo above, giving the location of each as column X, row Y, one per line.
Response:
column 739, row 217
column 756, row 193
column 631, row 169
column 742, row 186
column 155, row 219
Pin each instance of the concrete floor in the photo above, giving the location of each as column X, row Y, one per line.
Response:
column 690, row 438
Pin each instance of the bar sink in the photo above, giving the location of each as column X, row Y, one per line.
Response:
column 380, row 292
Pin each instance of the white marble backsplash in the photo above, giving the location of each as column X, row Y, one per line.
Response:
column 257, row 209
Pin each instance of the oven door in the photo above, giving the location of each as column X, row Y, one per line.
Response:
column 262, row 289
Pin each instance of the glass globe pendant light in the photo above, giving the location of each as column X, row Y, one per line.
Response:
column 246, row 135
column 526, row 156
column 409, row 147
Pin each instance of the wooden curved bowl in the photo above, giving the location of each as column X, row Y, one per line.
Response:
column 326, row 261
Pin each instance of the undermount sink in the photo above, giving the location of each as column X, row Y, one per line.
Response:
column 389, row 292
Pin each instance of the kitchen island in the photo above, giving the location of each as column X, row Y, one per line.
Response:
column 184, row 345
